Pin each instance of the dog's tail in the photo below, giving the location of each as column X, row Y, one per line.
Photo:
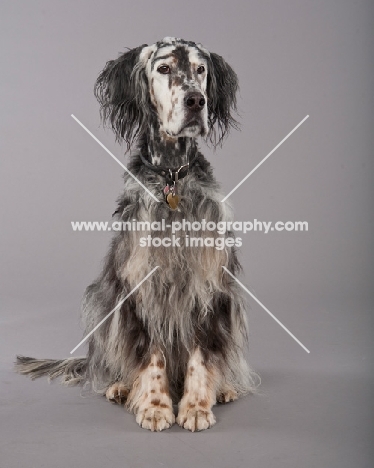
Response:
column 72, row 370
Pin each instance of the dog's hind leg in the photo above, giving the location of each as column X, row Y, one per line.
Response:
column 149, row 397
column 117, row 393
column 200, row 390
column 226, row 393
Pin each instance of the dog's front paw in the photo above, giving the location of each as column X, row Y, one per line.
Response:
column 195, row 419
column 155, row 418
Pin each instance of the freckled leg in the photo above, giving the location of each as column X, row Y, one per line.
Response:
column 149, row 398
column 200, row 389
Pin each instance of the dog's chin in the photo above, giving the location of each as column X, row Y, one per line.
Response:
column 192, row 129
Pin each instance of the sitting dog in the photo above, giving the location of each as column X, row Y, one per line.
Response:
column 181, row 336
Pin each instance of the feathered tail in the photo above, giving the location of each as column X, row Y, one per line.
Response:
column 72, row 370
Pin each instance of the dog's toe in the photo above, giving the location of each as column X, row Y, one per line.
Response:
column 196, row 419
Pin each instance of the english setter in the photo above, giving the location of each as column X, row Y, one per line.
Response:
column 181, row 336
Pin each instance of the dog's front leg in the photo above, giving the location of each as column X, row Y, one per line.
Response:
column 200, row 389
column 149, row 398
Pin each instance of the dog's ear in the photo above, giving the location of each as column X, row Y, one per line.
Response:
column 222, row 88
column 122, row 91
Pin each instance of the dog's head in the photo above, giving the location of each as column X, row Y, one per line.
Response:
column 188, row 90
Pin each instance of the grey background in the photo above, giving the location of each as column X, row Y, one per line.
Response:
column 293, row 58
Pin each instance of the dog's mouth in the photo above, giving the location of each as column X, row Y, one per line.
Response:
column 192, row 128
column 192, row 123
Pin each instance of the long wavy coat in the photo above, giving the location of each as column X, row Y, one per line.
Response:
column 181, row 336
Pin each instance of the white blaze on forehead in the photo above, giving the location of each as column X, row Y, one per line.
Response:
column 176, row 40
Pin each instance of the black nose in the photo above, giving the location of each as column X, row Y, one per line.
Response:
column 195, row 101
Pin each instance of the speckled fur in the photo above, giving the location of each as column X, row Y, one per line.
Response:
column 189, row 314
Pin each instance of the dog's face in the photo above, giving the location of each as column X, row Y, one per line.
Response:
column 189, row 90
column 177, row 73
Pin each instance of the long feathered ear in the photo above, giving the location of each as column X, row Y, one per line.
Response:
column 222, row 89
column 122, row 91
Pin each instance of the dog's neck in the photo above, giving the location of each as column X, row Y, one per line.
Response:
column 162, row 150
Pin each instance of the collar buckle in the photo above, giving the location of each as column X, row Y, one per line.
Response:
column 181, row 172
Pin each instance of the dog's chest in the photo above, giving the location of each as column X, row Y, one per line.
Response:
column 184, row 244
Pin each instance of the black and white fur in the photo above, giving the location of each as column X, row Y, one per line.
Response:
column 181, row 337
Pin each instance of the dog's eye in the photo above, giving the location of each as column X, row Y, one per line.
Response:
column 200, row 69
column 164, row 69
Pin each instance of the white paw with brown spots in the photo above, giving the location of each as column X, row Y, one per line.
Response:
column 117, row 392
column 196, row 419
column 156, row 418
column 149, row 398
